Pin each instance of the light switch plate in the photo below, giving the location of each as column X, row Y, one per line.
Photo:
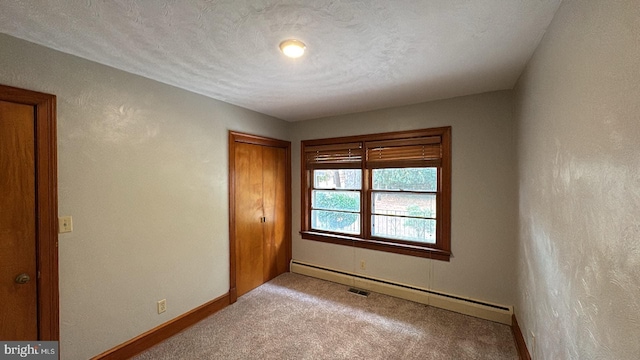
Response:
column 65, row 224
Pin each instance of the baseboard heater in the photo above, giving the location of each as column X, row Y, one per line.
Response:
column 460, row 304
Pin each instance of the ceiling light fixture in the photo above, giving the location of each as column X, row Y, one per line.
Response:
column 292, row 48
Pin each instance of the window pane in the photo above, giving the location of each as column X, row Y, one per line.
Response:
column 335, row 221
column 347, row 179
column 404, row 204
column 411, row 229
column 335, row 200
column 413, row 179
column 404, row 216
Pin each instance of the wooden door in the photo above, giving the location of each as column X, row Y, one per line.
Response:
column 260, row 217
column 18, row 291
column 28, row 216
column 274, row 210
column 249, row 227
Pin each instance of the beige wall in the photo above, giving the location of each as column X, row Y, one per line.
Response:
column 143, row 171
column 142, row 168
column 578, row 116
column 483, row 197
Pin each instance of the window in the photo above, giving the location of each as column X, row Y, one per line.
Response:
column 335, row 200
column 388, row 192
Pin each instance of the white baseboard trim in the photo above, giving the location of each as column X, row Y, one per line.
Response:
column 477, row 308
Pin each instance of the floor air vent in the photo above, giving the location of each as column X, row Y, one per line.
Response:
column 359, row 292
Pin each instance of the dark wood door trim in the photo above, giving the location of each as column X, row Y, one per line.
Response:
column 236, row 137
column 46, row 206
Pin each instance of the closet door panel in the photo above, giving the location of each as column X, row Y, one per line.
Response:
column 260, row 211
column 248, row 212
column 275, row 211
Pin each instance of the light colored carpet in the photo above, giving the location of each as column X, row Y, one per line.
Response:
column 298, row 317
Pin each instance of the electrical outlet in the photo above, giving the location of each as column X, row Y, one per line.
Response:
column 363, row 265
column 65, row 224
column 162, row 306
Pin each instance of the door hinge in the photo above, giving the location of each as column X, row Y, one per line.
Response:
column 38, row 274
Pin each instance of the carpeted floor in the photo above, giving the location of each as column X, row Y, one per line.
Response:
column 298, row 317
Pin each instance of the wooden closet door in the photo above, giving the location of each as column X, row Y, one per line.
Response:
column 260, row 211
column 248, row 214
column 274, row 173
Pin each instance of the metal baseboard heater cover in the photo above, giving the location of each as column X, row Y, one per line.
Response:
column 460, row 304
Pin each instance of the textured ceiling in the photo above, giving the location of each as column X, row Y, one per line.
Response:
column 361, row 55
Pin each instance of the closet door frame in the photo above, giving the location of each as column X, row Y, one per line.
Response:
column 234, row 138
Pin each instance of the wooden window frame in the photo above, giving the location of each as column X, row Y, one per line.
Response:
column 441, row 250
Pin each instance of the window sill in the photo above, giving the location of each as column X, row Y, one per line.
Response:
column 378, row 245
